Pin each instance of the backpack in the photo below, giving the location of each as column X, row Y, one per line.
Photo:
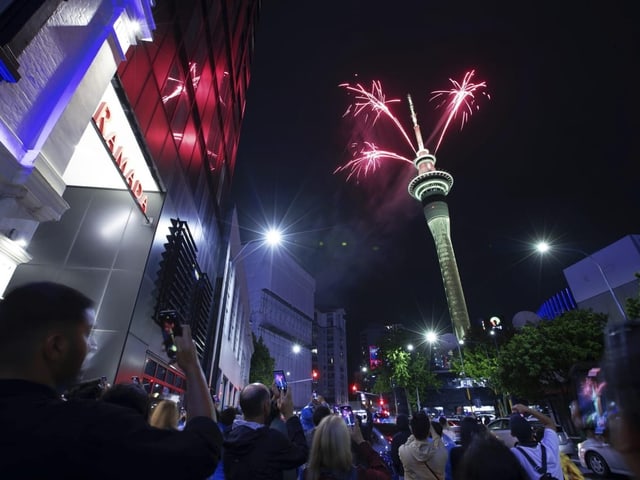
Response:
column 542, row 469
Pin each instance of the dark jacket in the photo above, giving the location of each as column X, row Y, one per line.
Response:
column 263, row 453
column 400, row 438
column 45, row 436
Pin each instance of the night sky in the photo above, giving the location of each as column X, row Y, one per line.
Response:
column 552, row 154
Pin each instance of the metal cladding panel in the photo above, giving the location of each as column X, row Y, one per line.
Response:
column 619, row 263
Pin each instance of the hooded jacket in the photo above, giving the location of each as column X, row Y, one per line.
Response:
column 259, row 452
column 417, row 454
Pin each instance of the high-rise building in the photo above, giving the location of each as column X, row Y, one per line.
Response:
column 430, row 187
column 281, row 298
column 119, row 125
column 330, row 339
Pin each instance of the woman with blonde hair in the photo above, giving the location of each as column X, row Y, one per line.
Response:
column 165, row 415
column 331, row 456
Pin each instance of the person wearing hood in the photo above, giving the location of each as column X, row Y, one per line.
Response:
column 399, row 439
column 423, row 459
column 254, row 451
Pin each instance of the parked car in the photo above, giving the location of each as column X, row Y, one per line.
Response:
column 500, row 428
column 601, row 458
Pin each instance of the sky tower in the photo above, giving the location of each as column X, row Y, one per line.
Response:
column 431, row 187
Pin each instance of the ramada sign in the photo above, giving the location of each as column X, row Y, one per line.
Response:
column 102, row 119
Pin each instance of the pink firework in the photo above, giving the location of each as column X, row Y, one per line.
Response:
column 461, row 99
column 367, row 159
column 371, row 105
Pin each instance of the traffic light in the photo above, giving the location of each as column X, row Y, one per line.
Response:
column 354, row 388
column 314, row 375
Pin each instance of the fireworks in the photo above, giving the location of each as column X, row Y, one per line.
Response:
column 371, row 106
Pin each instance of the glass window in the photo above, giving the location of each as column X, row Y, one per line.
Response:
column 150, row 368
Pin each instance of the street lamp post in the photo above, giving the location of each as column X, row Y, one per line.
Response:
column 544, row 247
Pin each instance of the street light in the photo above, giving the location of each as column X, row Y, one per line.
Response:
column 271, row 237
column 543, row 247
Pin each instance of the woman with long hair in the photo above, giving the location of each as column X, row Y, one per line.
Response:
column 165, row 415
column 331, row 456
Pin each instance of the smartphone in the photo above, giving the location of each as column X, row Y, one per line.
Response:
column 280, row 380
column 347, row 415
column 171, row 328
column 315, row 395
column 592, row 399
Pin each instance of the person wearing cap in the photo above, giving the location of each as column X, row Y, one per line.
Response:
column 528, row 451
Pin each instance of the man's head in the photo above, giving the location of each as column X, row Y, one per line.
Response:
column 420, row 425
column 520, row 428
column 46, row 333
column 319, row 413
column 255, row 402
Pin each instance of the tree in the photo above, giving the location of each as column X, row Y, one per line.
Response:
column 537, row 361
column 633, row 304
column 262, row 363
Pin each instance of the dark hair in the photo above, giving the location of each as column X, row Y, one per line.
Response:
column 130, row 395
column 437, row 427
column 252, row 399
column 402, row 422
column 469, row 428
column 227, row 416
column 443, row 421
column 420, row 425
column 32, row 307
column 488, row 458
column 319, row 413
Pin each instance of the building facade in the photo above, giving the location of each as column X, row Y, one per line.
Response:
column 281, row 297
column 330, row 338
column 119, row 125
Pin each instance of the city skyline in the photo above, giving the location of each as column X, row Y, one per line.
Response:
column 549, row 157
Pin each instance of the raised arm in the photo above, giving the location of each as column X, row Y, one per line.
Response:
column 547, row 421
column 197, row 396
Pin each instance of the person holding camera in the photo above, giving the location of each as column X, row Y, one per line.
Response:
column 47, row 336
column 541, row 460
column 253, row 450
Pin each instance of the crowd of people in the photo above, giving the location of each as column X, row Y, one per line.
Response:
column 52, row 430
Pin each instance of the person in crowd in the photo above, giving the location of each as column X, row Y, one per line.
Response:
column 488, row 458
column 165, row 415
column 332, row 454
column 535, row 457
column 622, row 356
column 306, row 414
column 469, row 428
column 277, row 423
column 252, row 450
column 399, row 438
column 47, row 336
column 225, row 423
column 423, row 459
column 319, row 413
column 129, row 395
column 448, row 435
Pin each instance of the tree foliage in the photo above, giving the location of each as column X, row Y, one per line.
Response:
column 262, row 363
column 403, row 368
column 537, row 361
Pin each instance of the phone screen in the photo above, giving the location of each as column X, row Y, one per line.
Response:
column 280, row 379
column 347, row 415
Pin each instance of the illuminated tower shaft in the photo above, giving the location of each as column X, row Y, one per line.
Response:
column 431, row 187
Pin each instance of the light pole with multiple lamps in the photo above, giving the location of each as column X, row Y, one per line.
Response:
column 543, row 247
